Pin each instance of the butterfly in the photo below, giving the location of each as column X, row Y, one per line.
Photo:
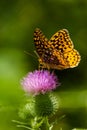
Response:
column 56, row 53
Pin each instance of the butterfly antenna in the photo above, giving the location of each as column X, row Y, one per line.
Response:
column 36, row 53
column 29, row 54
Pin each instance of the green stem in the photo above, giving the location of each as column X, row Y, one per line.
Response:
column 45, row 125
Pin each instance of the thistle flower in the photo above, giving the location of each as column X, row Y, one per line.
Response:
column 39, row 82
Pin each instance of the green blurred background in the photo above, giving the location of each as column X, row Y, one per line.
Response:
column 18, row 19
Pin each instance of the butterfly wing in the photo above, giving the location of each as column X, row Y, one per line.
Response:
column 72, row 58
column 61, row 41
column 63, row 50
column 40, row 42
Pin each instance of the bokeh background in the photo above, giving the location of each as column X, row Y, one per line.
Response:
column 18, row 19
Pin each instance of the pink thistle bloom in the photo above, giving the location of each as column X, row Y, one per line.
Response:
column 39, row 81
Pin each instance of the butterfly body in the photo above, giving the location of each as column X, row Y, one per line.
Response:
column 56, row 53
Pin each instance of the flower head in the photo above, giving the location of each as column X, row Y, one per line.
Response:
column 39, row 81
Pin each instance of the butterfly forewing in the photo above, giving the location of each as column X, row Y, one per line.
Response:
column 61, row 41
